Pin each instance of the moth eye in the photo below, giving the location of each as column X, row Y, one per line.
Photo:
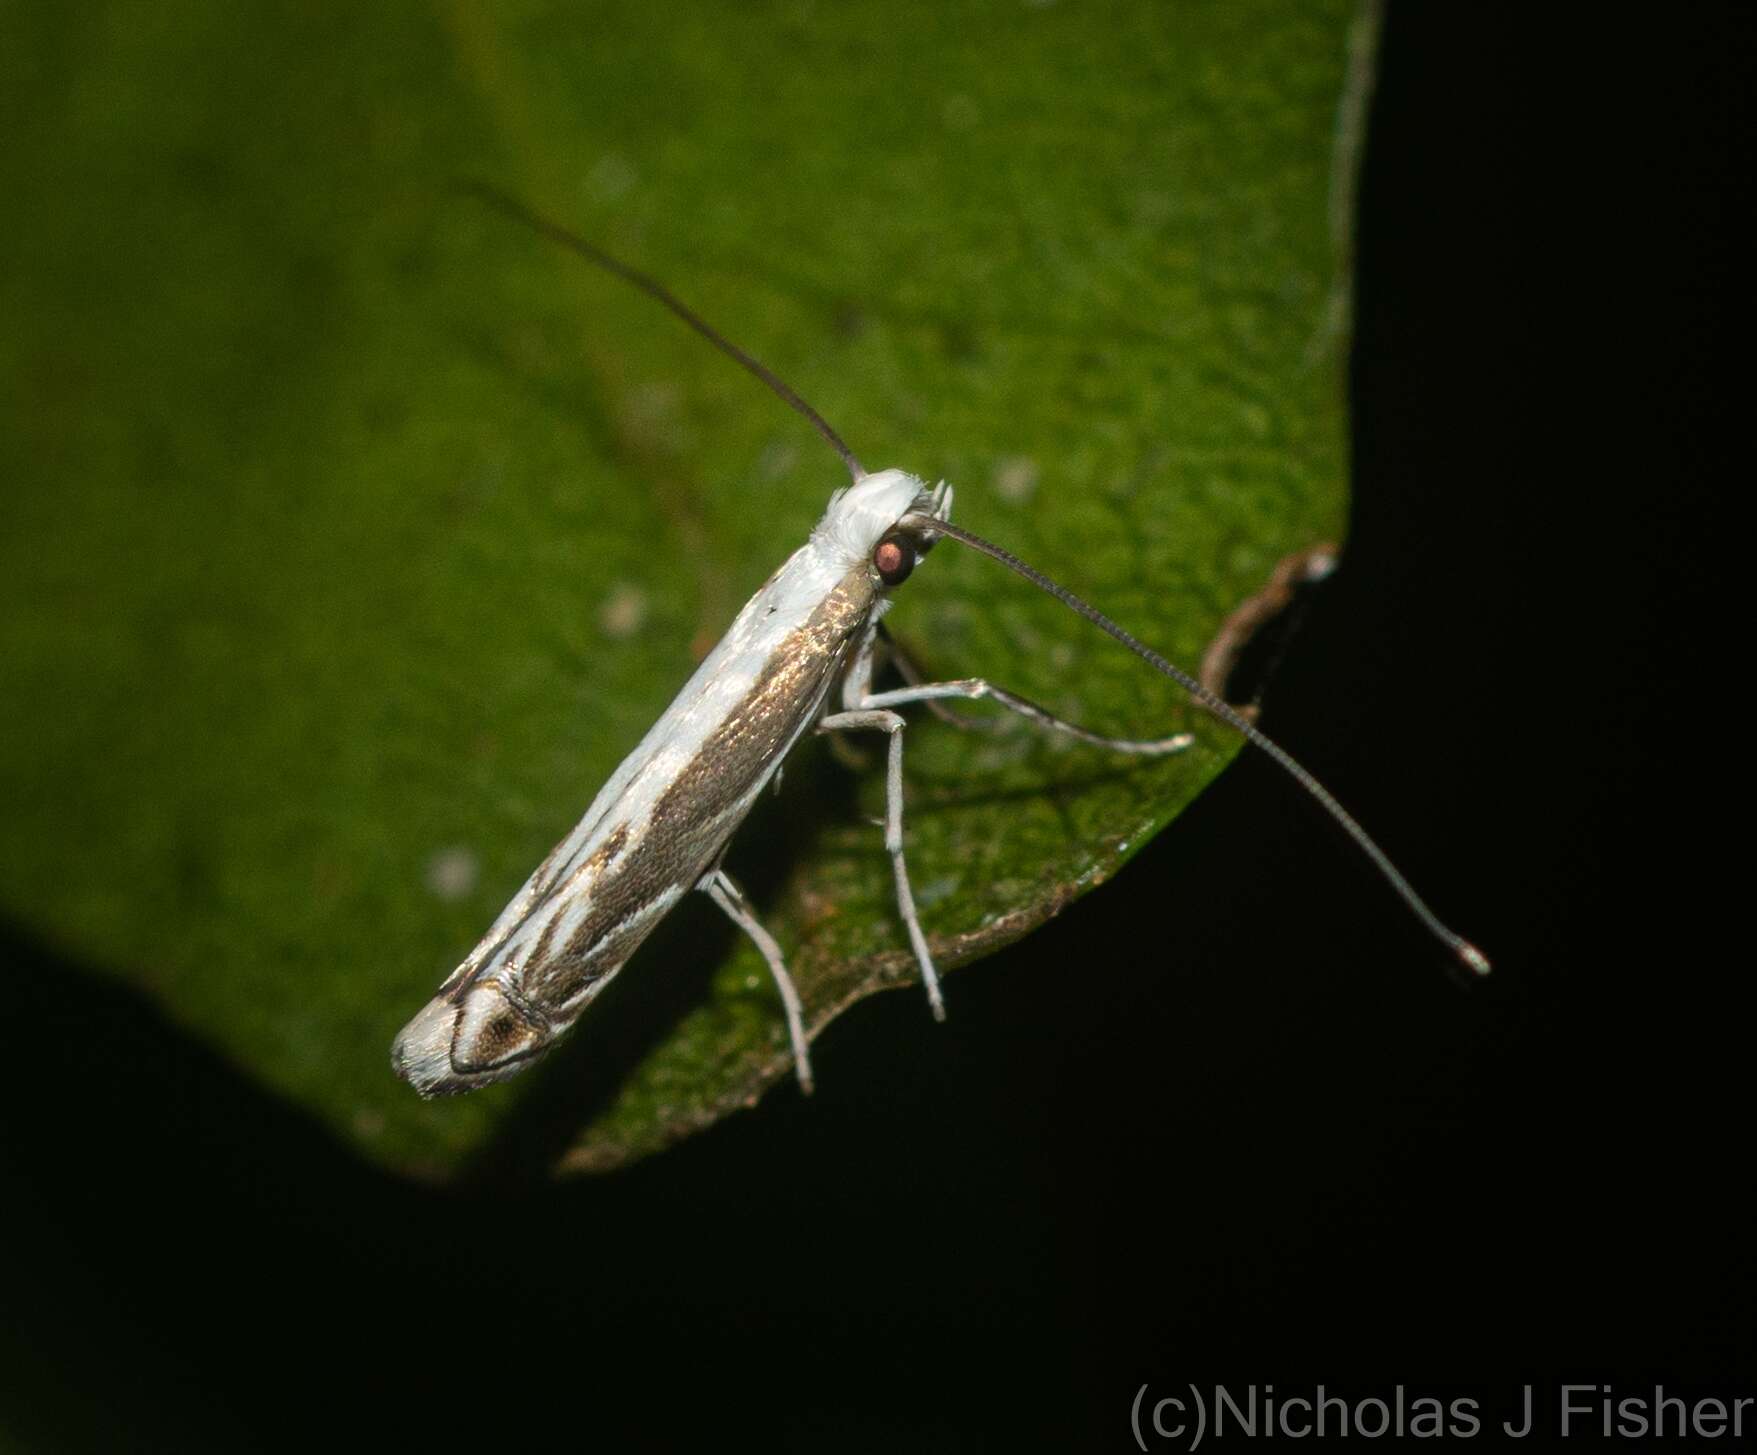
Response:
column 894, row 558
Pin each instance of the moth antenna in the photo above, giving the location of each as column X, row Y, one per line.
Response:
column 660, row 294
column 1472, row 958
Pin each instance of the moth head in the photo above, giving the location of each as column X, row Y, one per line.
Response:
column 863, row 522
column 485, row 1035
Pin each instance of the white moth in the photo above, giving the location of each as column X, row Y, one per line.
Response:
column 661, row 825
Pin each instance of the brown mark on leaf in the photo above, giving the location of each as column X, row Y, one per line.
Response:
column 1245, row 627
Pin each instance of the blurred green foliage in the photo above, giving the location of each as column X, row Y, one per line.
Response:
column 353, row 535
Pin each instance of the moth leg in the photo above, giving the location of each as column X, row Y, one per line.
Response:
column 719, row 887
column 878, row 720
column 910, row 671
column 856, row 684
column 975, row 688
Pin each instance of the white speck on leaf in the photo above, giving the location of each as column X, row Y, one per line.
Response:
column 652, row 412
column 624, row 611
column 1015, row 479
column 776, row 460
column 452, row 873
column 935, row 891
column 612, row 177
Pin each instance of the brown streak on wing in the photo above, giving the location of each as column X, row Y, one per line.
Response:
column 595, row 864
column 695, row 816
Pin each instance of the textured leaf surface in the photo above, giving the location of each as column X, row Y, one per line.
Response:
column 354, row 535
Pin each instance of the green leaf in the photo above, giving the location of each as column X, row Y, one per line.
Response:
column 354, row 534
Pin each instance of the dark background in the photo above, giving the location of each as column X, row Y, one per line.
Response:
column 1204, row 1126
